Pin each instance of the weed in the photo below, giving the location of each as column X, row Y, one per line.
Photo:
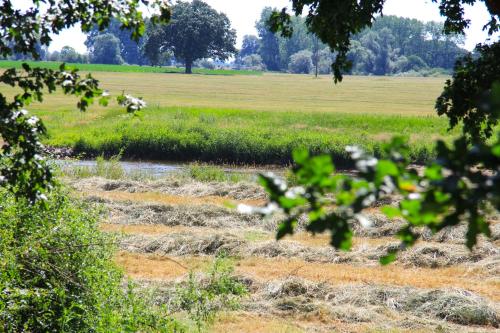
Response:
column 210, row 173
column 203, row 298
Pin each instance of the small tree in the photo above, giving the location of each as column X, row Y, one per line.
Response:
column 254, row 61
column 301, row 62
column 197, row 31
column 106, row 50
column 69, row 54
column 251, row 45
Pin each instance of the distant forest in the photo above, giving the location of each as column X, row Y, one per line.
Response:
column 392, row 46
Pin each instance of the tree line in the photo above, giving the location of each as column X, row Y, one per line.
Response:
column 200, row 36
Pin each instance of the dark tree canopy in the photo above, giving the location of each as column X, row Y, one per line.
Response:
column 269, row 42
column 22, row 168
column 196, row 31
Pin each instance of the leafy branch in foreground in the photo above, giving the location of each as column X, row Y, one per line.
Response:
column 456, row 188
column 22, row 168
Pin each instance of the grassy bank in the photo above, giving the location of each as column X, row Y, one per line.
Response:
column 126, row 68
column 235, row 136
column 248, row 119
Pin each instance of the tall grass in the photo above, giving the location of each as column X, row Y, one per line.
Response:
column 237, row 136
column 212, row 173
column 126, row 68
column 106, row 168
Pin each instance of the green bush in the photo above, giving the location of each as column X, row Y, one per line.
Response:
column 57, row 274
column 203, row 298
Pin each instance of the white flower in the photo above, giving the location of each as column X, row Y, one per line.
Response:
column 369, row 200
column 33, row 121
column 245, row 209
column 364, row 221
column 414, row 196
column 355, row 152
column 67, row 83
column 295, row 192
column 41, row 196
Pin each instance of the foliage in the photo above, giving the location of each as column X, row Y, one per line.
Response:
column 457, row 187
column 22, row 169
column 250, row 45
column 465, row 98
column 106, row 50
column 202, row 299
column 447, row 192
column 196, row 31
column 69, row 54
column 269, row 43
column 337, row 22
column 254, row 62
column 205, row 63
column 129, row 48
column 301, row 62
column 57, row 274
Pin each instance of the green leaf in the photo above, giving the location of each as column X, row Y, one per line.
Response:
column 388, row 258
column 300, row 155
column 391, row 211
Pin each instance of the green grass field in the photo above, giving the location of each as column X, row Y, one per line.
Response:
column 126, row 68
column 248, row 119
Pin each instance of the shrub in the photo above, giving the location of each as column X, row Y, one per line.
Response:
column 203, row 298
column 254, row 62
column 301, row 62
column 57, row 274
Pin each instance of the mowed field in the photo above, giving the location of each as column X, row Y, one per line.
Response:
column 248, row 118
column 171, row 230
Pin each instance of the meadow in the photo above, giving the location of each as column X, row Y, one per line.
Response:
column 247, row 119
column 4, row 64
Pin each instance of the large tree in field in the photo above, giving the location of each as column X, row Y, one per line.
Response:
column 196, row 31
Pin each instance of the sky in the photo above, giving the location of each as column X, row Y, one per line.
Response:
column 244, row 13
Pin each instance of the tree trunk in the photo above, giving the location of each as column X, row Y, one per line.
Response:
column 189, row 66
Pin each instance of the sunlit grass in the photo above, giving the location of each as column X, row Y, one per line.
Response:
column 126, row 68
column 248, row 119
